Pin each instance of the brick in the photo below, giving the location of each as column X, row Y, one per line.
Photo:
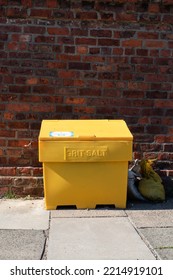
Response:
column 35, row 29
column 5, row 181
column 32, row 81
column 153, row 8
column 94, row 59
column 108, row 76
column 82, row 50
column 101, row 33
column 142, row 52
column 18, row 125
column 155, row 44
column 118, row 51
column 123, row 17
column 24, row 171
column 94, row 50
column 132, row 43
column 43, row 108
column 142, row 60
column 62, row 14
column 7, row 171
column 163, row 103
column 147, row 35
column 16, row 12
column 14, row 46
column 1, row 152
column 26, row 3
column 85, row 41
column 124, row 34
column 68, row 57
column 66, row 91
column 138, row 85
column 108, row 42
column 156, row 94
column 66, row 40
column 19, row 89
column 37, row 171
column 94, row 84
column 168, row 19
column 75, row 100
column 18, row 143
column 165, row 53
column 163, row 61
column 107, row 16
column 163, row 138
column 76, row 83
column 22, row 55
column 84, row 109
column 68, row 74
column 3, row 2
column 69, row 49
column 52, row 3
column 79, row 32
column 64, row 109
column 79, row 65
column 18, row 107
column 90, row 92
column 56, row 65
column 147, row 68
column 133, row 94
column 40, row 13
column 156, row 78
column 58, row 31
column 45, row 39
column 129, row 51
column 156, row 129
column 128, row 111
column 86, row 15
column 8, row 116
column 3, row 37
column 168, row 148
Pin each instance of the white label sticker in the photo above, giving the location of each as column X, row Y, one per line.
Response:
column 61, row 134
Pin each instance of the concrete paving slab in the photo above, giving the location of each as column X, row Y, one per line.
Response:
column 166, row 253
column 151, row 218
column 23, row 214
column 87, row 213
column 21, row 244
column 96, row 238
column 161, row 239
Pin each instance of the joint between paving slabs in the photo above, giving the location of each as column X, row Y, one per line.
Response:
column 156, row 255
column 46, row 236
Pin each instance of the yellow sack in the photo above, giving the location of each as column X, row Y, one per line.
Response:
column 151, row 189
column 150, row 186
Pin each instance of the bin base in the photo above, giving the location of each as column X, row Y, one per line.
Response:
column 85, row 185
column 69, row 207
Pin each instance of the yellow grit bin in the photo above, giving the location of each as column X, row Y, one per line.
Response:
column 85, row 162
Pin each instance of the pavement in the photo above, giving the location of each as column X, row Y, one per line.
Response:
column 142, row 231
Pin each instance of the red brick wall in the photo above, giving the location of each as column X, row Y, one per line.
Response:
column 77, row 59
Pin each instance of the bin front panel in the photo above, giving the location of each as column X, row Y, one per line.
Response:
column 85, row 151
column 98, row 183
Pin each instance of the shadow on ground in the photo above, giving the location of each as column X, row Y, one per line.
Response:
column 150, row 205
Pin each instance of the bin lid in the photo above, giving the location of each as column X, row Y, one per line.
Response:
column 73, row 130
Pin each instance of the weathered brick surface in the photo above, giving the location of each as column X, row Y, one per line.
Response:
column 83, row 60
